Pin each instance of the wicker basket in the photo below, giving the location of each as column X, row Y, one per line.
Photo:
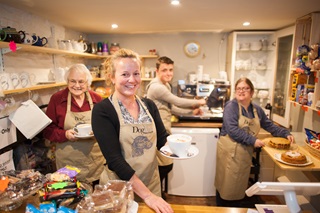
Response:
column 313, row 151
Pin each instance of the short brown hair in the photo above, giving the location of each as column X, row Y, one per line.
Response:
column 163, row 60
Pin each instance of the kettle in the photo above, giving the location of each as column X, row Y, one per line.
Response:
column 10, row 34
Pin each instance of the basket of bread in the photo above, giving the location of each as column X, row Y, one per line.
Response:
column 313, row 142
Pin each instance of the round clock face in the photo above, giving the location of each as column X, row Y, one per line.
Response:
column 192, row 49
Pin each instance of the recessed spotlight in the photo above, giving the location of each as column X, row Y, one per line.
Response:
column 246, row 23
column 114, row 26
column 175, row 2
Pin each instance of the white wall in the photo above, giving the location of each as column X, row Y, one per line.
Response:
column 171, row 45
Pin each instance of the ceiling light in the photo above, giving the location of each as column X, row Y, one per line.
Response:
column 246, row 23
column 114, row 26
column 175, row 2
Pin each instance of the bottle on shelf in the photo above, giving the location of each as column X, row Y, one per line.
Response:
column 268, row 109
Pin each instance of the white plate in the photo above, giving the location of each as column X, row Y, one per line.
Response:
column 193, row 150
column 84, row 136
column 277, row 156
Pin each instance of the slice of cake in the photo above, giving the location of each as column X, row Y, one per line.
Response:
column 294, row 157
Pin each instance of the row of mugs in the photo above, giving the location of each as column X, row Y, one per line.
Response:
column 72, row 45
column 10, row 81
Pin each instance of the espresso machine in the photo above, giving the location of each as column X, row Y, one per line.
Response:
column 219, row 96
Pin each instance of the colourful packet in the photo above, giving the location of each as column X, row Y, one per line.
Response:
column 31, row 209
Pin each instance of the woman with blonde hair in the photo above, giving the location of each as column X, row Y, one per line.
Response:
column 129, row 130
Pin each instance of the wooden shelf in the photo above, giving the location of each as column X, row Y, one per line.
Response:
column 47, row 50
column 41, row 86
column 305, row 107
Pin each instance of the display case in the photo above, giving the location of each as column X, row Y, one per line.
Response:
column 281, row 101
column 251, row 54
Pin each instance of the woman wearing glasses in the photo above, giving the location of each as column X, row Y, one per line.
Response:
column 242, row 121
column 66, row 109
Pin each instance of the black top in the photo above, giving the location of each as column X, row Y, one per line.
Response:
column 106, row 128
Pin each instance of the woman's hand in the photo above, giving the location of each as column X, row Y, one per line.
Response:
column 259, row 143
column 70, row 135
column 158, row 204
column 290, row 138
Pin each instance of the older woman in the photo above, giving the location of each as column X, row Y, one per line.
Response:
column 242, row 121
column 66, row 109
column 129, row 130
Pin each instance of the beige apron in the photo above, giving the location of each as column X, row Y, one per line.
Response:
column 84, row 154
column 138, row 144
column 234, row 161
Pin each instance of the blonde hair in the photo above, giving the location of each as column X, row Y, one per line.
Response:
column 109, row 63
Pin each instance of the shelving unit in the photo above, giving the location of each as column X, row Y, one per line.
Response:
column 42, row 86
column 307, row 32
column 4, row 48
column 252, row 62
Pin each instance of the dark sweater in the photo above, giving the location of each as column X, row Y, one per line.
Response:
column 230, row 123
column 106, row 128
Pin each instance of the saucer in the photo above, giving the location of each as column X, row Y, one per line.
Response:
column 84, row 136
column 166, row 151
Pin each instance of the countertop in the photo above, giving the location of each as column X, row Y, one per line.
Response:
column 301, row 147
column 197, row 124
column 145, row 209
column 199, row 209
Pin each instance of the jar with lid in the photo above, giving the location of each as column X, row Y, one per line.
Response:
column 114, row 47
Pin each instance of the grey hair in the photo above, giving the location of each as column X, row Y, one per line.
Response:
column 79, row 68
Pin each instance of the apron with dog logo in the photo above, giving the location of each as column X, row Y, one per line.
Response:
column 138, row 144
column 234, row 160
column 84, row 154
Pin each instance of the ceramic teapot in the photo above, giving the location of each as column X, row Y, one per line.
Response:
column 10, row 34
column 26, row 38
column 39, row 41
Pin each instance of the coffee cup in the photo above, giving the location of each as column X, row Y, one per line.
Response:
column 83, row 129
column 5, row 81
column 179, row 144
column 15, row 80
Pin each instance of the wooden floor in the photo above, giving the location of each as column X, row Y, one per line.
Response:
column 211, row 201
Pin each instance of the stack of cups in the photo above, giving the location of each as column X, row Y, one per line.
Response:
column 200, row 73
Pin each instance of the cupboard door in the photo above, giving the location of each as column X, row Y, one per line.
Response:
column 281, row 102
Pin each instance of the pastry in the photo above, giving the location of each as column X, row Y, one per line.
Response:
column 294, row 157
column 279, row 143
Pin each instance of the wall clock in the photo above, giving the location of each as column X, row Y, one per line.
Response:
column 192, row 49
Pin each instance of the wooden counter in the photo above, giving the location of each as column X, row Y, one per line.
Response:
column 199, row 209
column 312, row 167
column 145, row 209
column 197, row 124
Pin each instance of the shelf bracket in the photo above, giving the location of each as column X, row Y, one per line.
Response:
column 4, row 51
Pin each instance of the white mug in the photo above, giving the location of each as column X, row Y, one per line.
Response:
column 5, row 81
column 26, row 79
column 83, row 129
column 15, row 80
